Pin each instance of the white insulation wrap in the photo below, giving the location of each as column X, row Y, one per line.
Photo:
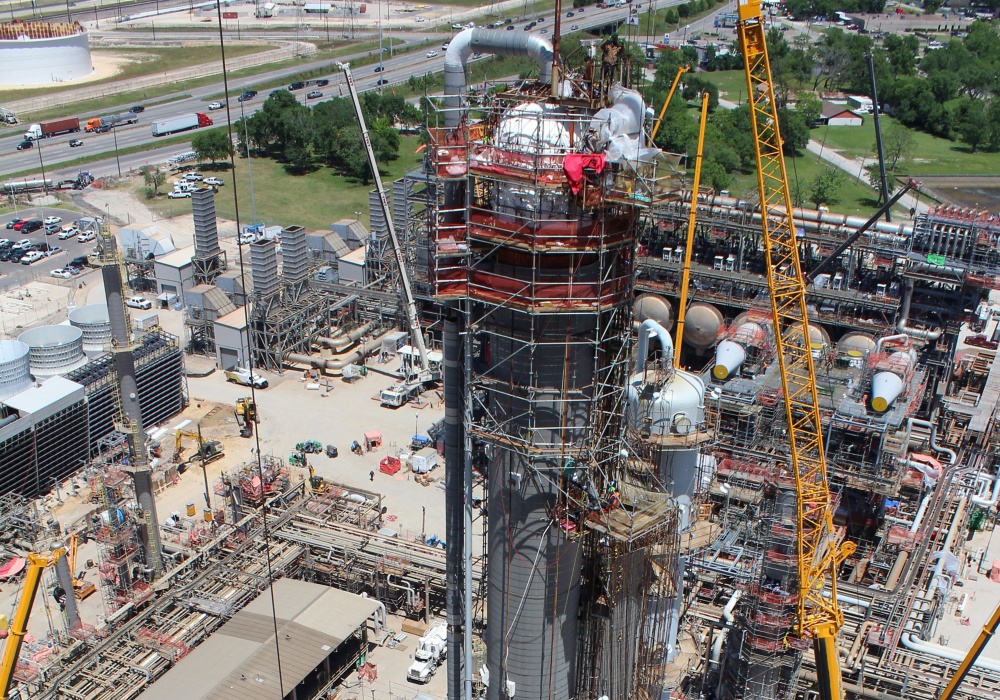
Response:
column 524, row 128
column 886, row 388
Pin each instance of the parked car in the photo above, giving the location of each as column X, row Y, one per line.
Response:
column 19, row 224
column 16, row 255
column 13, row 223
column 73, row 270
column 68, row 231
column 86, row 237
column 32, row 225
column 138, row 303
column 214, row 181
column 61, row 274
column 214, row 106
column 315, row 94
column 136, row 109
column 193, row 177
column 75, row 142
column 5, row 254
column 52, row 220
column 21, row 245
column 5, row 243
column 32, row 256
column 79, row 262
column 178, row 195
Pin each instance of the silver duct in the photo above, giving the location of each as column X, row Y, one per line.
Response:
column 904, row 318
column 470, row 41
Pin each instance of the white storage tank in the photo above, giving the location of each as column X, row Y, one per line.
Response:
column 701, row 325
column 15, row 370
column 54, row 349
column 651, row 307
column 43, row 53
column 93, row 321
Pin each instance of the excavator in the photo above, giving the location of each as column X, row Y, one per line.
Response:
column 37, row 563
column 208, row 450
column 317, row 483
column 83, row 589
column 818, row 618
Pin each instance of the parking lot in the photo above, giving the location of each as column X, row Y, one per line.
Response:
column 14, row 274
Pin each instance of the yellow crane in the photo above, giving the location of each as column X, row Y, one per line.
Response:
column 666, row 103
column 985, row 635
column 818, row 618
column 37, row 563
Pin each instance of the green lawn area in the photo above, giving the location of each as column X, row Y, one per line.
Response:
column 855, row 198
column 732, row 84
column 314, row 201
column 931, row 156
column 147, row 61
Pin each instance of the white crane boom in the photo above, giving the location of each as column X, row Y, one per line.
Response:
column 411, row 305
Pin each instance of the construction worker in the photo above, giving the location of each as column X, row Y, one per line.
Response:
column 611, row 51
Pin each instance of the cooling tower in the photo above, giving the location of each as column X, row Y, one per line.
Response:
column 54, row 349
column 95, row 324
column 15, row 367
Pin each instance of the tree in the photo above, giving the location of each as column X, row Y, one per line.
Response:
column 898, row 144
column 672, row 17
column 972, row 123
column 810, row 107
column 154, row 179
column 794, row 131
column 873, row 173
column 212, row 145
column 825, row 187
column 993, row 117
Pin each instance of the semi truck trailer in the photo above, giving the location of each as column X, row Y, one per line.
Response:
column 55, row 127
column 181, row 123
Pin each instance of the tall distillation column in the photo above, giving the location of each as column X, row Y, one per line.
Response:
column 110, row 262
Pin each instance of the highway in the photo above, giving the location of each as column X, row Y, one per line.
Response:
column 51, row 152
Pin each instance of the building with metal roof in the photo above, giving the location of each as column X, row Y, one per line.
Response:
column 322, row 633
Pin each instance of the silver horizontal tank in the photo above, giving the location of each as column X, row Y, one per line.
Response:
column 15, row 371
column 54, row 349
column 652, row 307
column 95, row 324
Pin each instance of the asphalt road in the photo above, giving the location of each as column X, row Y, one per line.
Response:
column 49, row 153
column 15, row 274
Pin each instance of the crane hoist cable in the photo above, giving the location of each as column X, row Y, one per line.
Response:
column 818, row 555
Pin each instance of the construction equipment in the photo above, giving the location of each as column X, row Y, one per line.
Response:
column 666, row 103
column 818, row 618
column 424, row 374
column 37, row 563
column 208, row 450
column 989, row 629
column 317, row 483
column 83, row 589
column 246, row 415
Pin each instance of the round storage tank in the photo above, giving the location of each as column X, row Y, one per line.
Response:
column 701, row 325
column 43, row 53
column 860, row 343
column 652, row 307
column 96, row 326
column 15, row 369
column 54, row 349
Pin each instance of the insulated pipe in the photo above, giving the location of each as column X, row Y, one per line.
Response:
column 344, row 341
column 904, row 318
column 338, row 365
column 886, row 388
column 647, row 330
column 953, row 458
column 911, row 642
column 727, row 616
column 65, row 578
column 889, row 339
column 627, row 111
column 983, row 502
column 469, row 41
column 938, row 571
column 920, row 513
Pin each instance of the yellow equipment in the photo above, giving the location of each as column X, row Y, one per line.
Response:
column 37, row 563
column 317, row 483
column 977, row 648
column 818, row 618
column 692, row 218
column 208, row 451
column 246, row 415
column 83, row 589
column 666, row 103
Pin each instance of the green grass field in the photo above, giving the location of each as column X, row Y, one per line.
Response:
column 146, row 62
column 732, row 84
column 931, row 155
column 314, row 201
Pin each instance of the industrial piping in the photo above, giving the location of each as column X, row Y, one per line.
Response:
column 647, row 330
column 904, row 318
column 468, row 41
column 343, row 341
column 338, row 364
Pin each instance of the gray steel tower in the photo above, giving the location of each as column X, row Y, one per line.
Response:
column 110, row 262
